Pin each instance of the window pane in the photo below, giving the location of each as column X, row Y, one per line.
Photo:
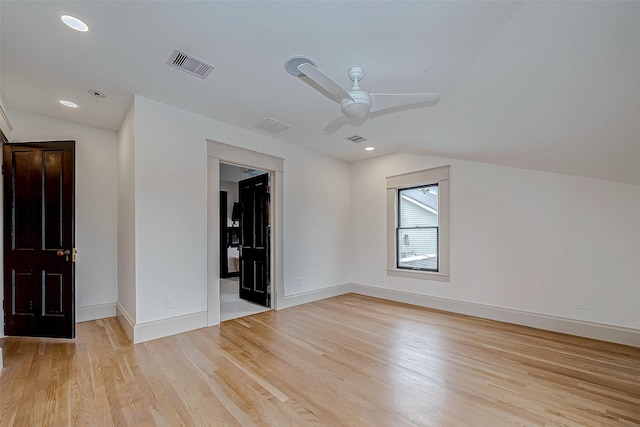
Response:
column 418, row 248
column 419, row 206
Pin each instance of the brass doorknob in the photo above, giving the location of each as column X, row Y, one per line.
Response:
column 63, row 253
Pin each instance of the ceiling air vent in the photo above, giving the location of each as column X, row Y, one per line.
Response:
column 273, row 126
column 189, row 64
column 355, row 138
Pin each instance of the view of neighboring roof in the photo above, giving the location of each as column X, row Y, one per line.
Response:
column 427, row 196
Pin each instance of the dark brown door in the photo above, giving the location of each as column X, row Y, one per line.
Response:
column 254, row 239
column 39, row 186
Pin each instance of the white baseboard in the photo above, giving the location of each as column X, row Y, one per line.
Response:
column 310, row 296
column 85, row 313
column 161, row 328
column 164, row 327
column 155, row 329
column 125, row 321
column 148, row 331
column 581, row 328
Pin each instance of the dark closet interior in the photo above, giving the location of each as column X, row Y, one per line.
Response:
column 229, row 237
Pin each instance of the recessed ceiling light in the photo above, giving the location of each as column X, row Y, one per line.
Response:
column 68, row 104
column 75, row 23
column 369, row 148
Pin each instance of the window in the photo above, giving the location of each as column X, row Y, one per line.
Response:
column 417, row 228
column 418, row 224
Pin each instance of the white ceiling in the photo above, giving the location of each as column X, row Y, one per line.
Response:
column 551, row 86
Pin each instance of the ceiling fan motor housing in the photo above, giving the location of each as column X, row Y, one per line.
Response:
column 359, row 106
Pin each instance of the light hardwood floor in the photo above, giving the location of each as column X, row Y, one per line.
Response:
column 345, row 361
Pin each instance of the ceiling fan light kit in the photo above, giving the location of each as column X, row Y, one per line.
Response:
column 358, row 106
column 356, row 103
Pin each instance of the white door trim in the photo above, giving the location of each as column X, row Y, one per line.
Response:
column 218, row 152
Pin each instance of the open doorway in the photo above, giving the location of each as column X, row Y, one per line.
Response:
column 217, row 154
column 245, row 279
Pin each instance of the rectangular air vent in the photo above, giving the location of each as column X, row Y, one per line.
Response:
column 189, row 64
column 355, row 138
column 273, row 126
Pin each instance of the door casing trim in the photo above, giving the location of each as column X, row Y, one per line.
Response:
column 218, row 152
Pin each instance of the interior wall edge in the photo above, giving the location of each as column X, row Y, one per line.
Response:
column 125, row 321
column 155, row 329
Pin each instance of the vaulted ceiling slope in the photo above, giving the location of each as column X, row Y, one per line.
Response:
column 552, row 86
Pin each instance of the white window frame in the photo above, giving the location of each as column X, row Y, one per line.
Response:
column 440, row 176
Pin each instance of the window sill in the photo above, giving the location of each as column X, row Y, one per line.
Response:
column 414, row 274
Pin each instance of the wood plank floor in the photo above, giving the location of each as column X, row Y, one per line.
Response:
column 345, row 361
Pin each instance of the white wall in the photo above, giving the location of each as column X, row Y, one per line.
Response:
column 4, row 123
column 126, row 218
column 534, row 242
column 317, row 207
column 171, row 210
column 520, row 239
column 96, row 206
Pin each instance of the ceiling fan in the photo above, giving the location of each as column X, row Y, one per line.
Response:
column 358, row 105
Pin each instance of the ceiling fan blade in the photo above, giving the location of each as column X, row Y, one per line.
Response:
column 383, row 103
column 335, row 124
column 325, row 84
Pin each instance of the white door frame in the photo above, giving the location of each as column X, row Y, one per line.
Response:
column 217, row 153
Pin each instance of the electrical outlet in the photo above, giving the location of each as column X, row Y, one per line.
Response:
column 170, row 302
column 299, row 282
column 582, row 303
